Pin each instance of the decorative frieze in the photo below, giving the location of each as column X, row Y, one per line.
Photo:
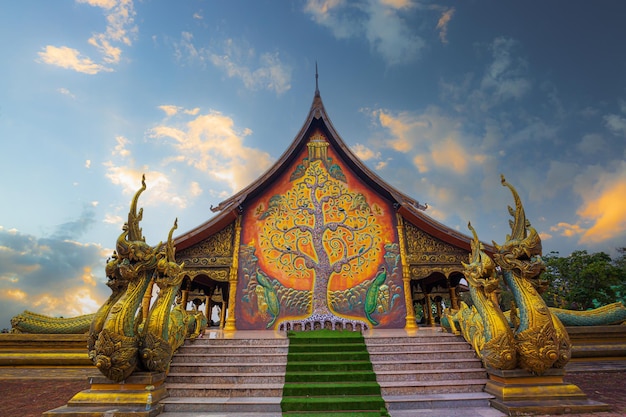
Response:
column 215, row 251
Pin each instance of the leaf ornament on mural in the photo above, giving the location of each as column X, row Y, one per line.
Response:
column 359, row 203
column 268, row 295
column 336, row 172
column 272, row 206
column 371, row 297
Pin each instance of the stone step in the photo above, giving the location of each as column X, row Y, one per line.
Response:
column 226, row 378
column 382, row 364
column 233, row 348
column 256, row 357
column 223, row 406
column 431, row 374
column 426, row 346
column 411, row 355
column 224, row 390
column 219, row 368
column 451, row 403
column 264, row 341
column 419, row 388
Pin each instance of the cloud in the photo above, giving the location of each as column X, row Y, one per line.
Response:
column 434, row 140
column 69, row 58
column 442, row 24
column 364, row 153
column 616, row 124
column 119, row 29
column 567, row 230
column 66, row 92
column 604, row 204
column 591, row 143
column 169, row 110
column 212, row 144
column 264, row 71
column 162, row 191
column 74, row 229
column 381, row 23
column 51, row 275
column 504, row 77
column 271, row 73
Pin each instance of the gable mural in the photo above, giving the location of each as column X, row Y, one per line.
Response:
column 319, row 244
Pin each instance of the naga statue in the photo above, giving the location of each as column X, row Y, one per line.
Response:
column 532, row 338
column 114, row 340
column 157, row 348
column 489, row 330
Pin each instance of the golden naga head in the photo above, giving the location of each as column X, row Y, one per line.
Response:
column 481, row 270
column 522, row 249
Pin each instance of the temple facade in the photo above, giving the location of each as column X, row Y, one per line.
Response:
column 320, row 240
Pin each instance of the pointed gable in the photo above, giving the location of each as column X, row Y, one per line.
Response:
column 318, row 120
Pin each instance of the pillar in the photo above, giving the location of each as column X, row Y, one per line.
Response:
column 410, row 323
column 232, row 280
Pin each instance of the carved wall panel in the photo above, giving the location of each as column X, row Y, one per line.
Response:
column 215, row 251
column 427, row 254
column 216, row 274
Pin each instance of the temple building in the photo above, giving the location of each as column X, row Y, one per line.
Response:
column 320, row 240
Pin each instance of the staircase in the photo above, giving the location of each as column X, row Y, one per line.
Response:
column 227, row 377
column 431, row 374
column 329, row 373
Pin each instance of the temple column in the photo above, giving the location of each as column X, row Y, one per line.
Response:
column 454, row 298
column 207, row 309
column 410, row 323
column 429, row 309
column 438, row 300
column 232, row 280
column 184, row 299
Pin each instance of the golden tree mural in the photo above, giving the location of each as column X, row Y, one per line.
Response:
column 321, row 232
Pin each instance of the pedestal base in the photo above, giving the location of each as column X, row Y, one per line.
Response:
column 137, row 396
column 520, row 392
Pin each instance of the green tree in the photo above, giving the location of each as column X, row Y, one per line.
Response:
column 582, row 281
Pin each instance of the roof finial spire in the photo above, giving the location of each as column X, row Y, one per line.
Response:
column 317, row 90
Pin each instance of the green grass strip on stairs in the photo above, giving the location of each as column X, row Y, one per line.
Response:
column 329, row 373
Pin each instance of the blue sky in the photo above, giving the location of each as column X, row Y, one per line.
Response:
column 438, row 98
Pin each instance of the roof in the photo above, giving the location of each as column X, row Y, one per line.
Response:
column 317, row 118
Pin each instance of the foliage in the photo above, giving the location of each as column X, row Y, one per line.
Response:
column 582, row 280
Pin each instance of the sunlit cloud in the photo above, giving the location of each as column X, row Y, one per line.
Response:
column 567, row 229
column 364, row 153
column 120, row 28
column 121, row 147
column 442, row 24
column 214, row 146
column 73, row 274
column 69, row 58
column 162, row 191
column 604, row 206
column 169, row 110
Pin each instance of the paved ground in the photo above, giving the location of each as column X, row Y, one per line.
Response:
column 30, row 392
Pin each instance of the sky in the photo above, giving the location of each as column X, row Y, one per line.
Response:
column 437, row 97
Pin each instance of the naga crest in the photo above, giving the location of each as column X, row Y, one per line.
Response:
column 522, row 249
